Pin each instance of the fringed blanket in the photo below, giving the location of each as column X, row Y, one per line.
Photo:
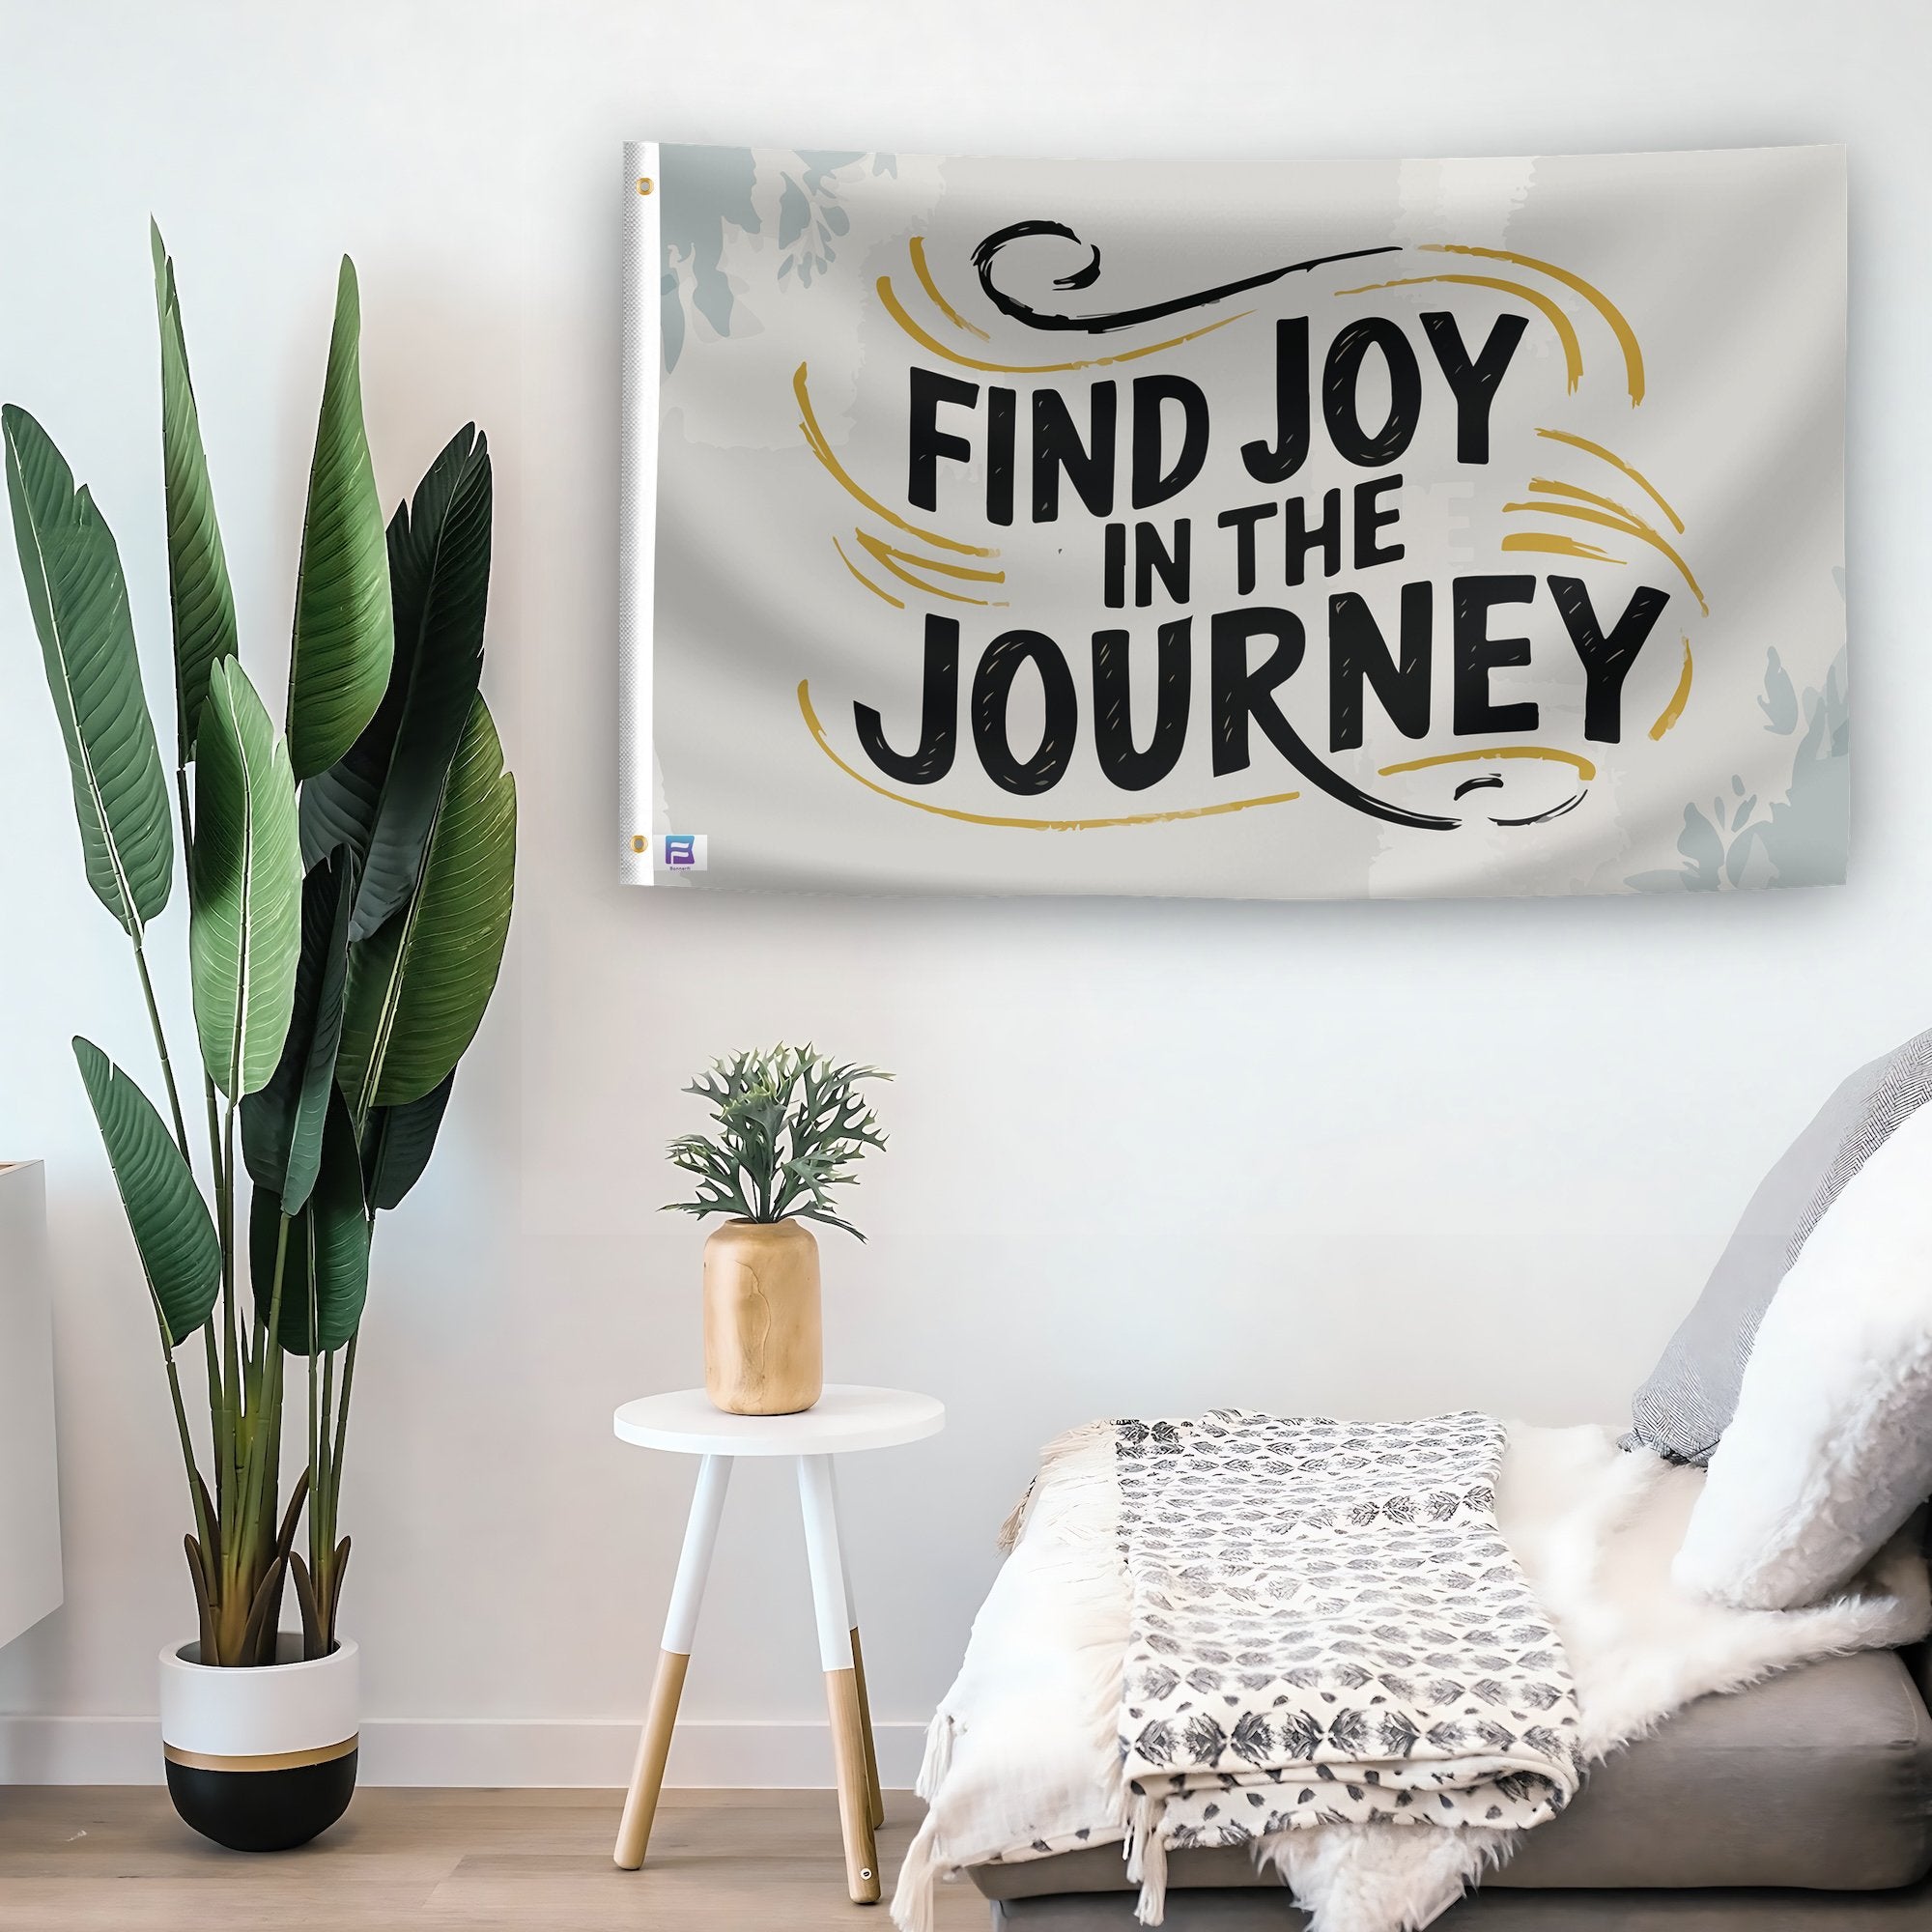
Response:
column 1024, row 1755
column 1326, row 1627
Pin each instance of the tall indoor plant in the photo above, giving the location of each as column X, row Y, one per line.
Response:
column 349, row 884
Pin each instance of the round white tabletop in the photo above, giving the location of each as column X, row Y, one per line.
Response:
column 844, row 1417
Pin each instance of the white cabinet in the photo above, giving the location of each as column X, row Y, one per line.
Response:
column 30, row 1558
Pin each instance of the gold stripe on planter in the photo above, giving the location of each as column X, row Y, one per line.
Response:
column 268, row 1761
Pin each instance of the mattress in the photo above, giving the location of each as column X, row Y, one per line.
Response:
column 1818, row 1780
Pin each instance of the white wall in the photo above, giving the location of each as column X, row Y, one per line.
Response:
column 1370, row 1158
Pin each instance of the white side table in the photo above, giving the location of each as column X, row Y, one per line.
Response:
column 844, row 1418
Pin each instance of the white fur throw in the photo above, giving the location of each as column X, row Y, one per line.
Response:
column 1830, row 1448
column 1024, row 1752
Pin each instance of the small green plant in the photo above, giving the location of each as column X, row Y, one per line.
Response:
column 792, row 1127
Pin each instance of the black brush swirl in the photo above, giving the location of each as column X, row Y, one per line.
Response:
column 988, row 253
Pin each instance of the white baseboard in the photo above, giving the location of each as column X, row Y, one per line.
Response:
column 479, row 1751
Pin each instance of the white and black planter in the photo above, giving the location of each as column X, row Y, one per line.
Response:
column 261, row 1760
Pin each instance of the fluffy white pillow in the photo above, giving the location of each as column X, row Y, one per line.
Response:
column 1831, row 1449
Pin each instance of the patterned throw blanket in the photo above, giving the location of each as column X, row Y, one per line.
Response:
column 1326, row 1627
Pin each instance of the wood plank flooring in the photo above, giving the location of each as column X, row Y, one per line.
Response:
column 102, row 1859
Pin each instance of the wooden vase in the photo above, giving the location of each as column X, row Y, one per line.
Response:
column 764, row 1349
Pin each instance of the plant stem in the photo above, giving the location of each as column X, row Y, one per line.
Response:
column 217, row 1435
column 331, row 1516
column 231, row 1359
column 220, row 1433
column 161, row 1047
column 341, row 1425
column 235, row 1418
column 242, row 1567
column 315, row 1435
column 195, row 1487
column 322, row 1517
column 267, row 1406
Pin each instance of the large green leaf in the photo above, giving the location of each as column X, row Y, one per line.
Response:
column 79, row 601
column 198, row 590
column 398, row 1142
column 344, row 635
column 246, row 882
column 418, row 987
column 380, row 798
column 173, row 1233
column 281, row 1125
column 325, row 1262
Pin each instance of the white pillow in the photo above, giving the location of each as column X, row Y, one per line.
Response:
column 1831, row 1449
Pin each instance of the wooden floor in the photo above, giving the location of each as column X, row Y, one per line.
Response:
column 75, row 1860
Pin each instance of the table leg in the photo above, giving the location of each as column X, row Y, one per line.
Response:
column 693, row 1563
column 877, row 1797
column 820, row 1511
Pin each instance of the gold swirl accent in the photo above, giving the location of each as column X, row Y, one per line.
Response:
column 1558, row 546
column 1626, row 335
column 894, row 561
column 1616, row 462
column 1629, row 524
column 1679, row 699
column 877, row 591
column 815, row 440
column 916, row 248
column 1548, row 487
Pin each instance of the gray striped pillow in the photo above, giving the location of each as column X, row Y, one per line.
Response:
column 1692, row 1393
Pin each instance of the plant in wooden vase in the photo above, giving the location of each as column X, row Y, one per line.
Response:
column 789, row 1127
column 348, row 887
